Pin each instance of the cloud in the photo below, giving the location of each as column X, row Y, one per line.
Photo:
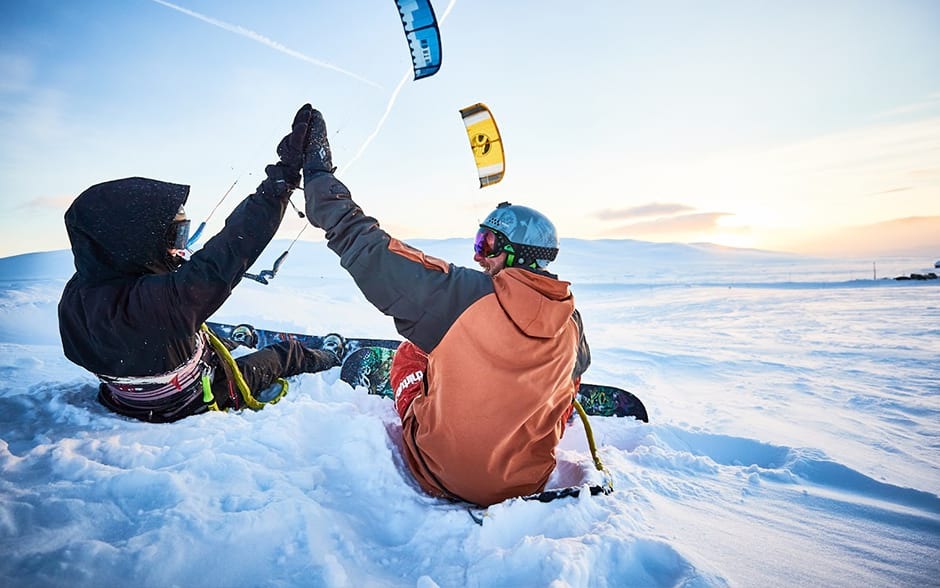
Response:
column 891, row 191
column 47, row 203
column 652, row 209
column 841, row 178
column 909, row 236
column 683, row 224
column 931, row 103
column 865, row 152
column 239, row 30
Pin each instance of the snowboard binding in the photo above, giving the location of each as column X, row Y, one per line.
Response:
column 245, row 334
column 335, row 344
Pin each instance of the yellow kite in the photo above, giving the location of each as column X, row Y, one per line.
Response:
column 485, row 142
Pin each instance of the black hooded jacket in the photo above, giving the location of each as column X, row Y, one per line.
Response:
column 125, row 312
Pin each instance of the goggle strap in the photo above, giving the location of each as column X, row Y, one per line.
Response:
column 526, row 254
column 529, row 254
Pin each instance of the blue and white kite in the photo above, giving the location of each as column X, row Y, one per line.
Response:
column 424, row 39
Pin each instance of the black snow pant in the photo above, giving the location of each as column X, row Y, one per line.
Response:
column 262, row 368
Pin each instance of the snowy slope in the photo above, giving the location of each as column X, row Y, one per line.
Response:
column 795, row 418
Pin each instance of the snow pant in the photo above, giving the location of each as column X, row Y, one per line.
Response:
column 408, row 376
column 262, row 368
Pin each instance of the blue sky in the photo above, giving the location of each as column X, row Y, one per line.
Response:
column 802, row 126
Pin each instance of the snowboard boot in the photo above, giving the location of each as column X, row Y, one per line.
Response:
column 334, row 343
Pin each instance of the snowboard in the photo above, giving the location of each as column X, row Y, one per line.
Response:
column 368, row 364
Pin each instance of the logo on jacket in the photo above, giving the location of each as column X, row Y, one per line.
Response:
column 408, row 381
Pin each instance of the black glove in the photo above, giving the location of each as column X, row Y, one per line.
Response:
column 317, row 156
column 291, row 150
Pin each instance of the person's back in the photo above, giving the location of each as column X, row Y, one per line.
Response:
column 126, row 311
column 489, row 371
column 499, row 390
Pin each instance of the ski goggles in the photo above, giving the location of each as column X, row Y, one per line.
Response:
column 490, row 243
column 177, row 235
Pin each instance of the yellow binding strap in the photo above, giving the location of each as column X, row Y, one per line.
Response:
column 250, row 401
column 590, row 437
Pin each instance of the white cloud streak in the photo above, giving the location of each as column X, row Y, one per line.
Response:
column 646, row 210
column 682, row 224
column 931, row 103
column 239, row 30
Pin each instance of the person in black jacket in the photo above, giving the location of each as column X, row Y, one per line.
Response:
column 132, row 312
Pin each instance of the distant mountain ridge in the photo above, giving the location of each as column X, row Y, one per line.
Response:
column 579, row 260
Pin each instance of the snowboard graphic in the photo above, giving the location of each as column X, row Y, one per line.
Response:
column 370, row 367
column 598, row 400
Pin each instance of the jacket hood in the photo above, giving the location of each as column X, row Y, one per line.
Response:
column 538, row 304
column 118, row 228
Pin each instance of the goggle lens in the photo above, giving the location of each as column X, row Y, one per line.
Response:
column 486, row 243
column 178, row 235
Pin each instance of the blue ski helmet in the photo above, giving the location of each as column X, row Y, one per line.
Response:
column 532, row 238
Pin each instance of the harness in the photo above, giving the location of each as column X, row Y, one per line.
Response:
column 170, row 393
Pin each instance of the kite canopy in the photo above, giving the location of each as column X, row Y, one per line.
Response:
column 485, row 142
column 424, row 39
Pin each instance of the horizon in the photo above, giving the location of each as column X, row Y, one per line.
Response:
column 927, row 253
column 733, row 124
column 635, row 263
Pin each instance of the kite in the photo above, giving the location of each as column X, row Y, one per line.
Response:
column 424, row 39
column 485, row 142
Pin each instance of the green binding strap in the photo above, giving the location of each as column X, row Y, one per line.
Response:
column 207, row 397
column 250, row 401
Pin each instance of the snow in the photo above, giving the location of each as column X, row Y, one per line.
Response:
column 793, row 441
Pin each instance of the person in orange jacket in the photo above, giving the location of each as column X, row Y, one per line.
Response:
column 486, row 379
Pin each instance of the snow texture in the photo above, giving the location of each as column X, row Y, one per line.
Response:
column 794, row 439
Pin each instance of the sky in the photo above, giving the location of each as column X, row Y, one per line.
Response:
column 792, row 441
column 801, row 126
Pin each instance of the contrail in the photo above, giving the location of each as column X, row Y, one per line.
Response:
column 391, row 100
column 238, row 30
column 381, row 123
